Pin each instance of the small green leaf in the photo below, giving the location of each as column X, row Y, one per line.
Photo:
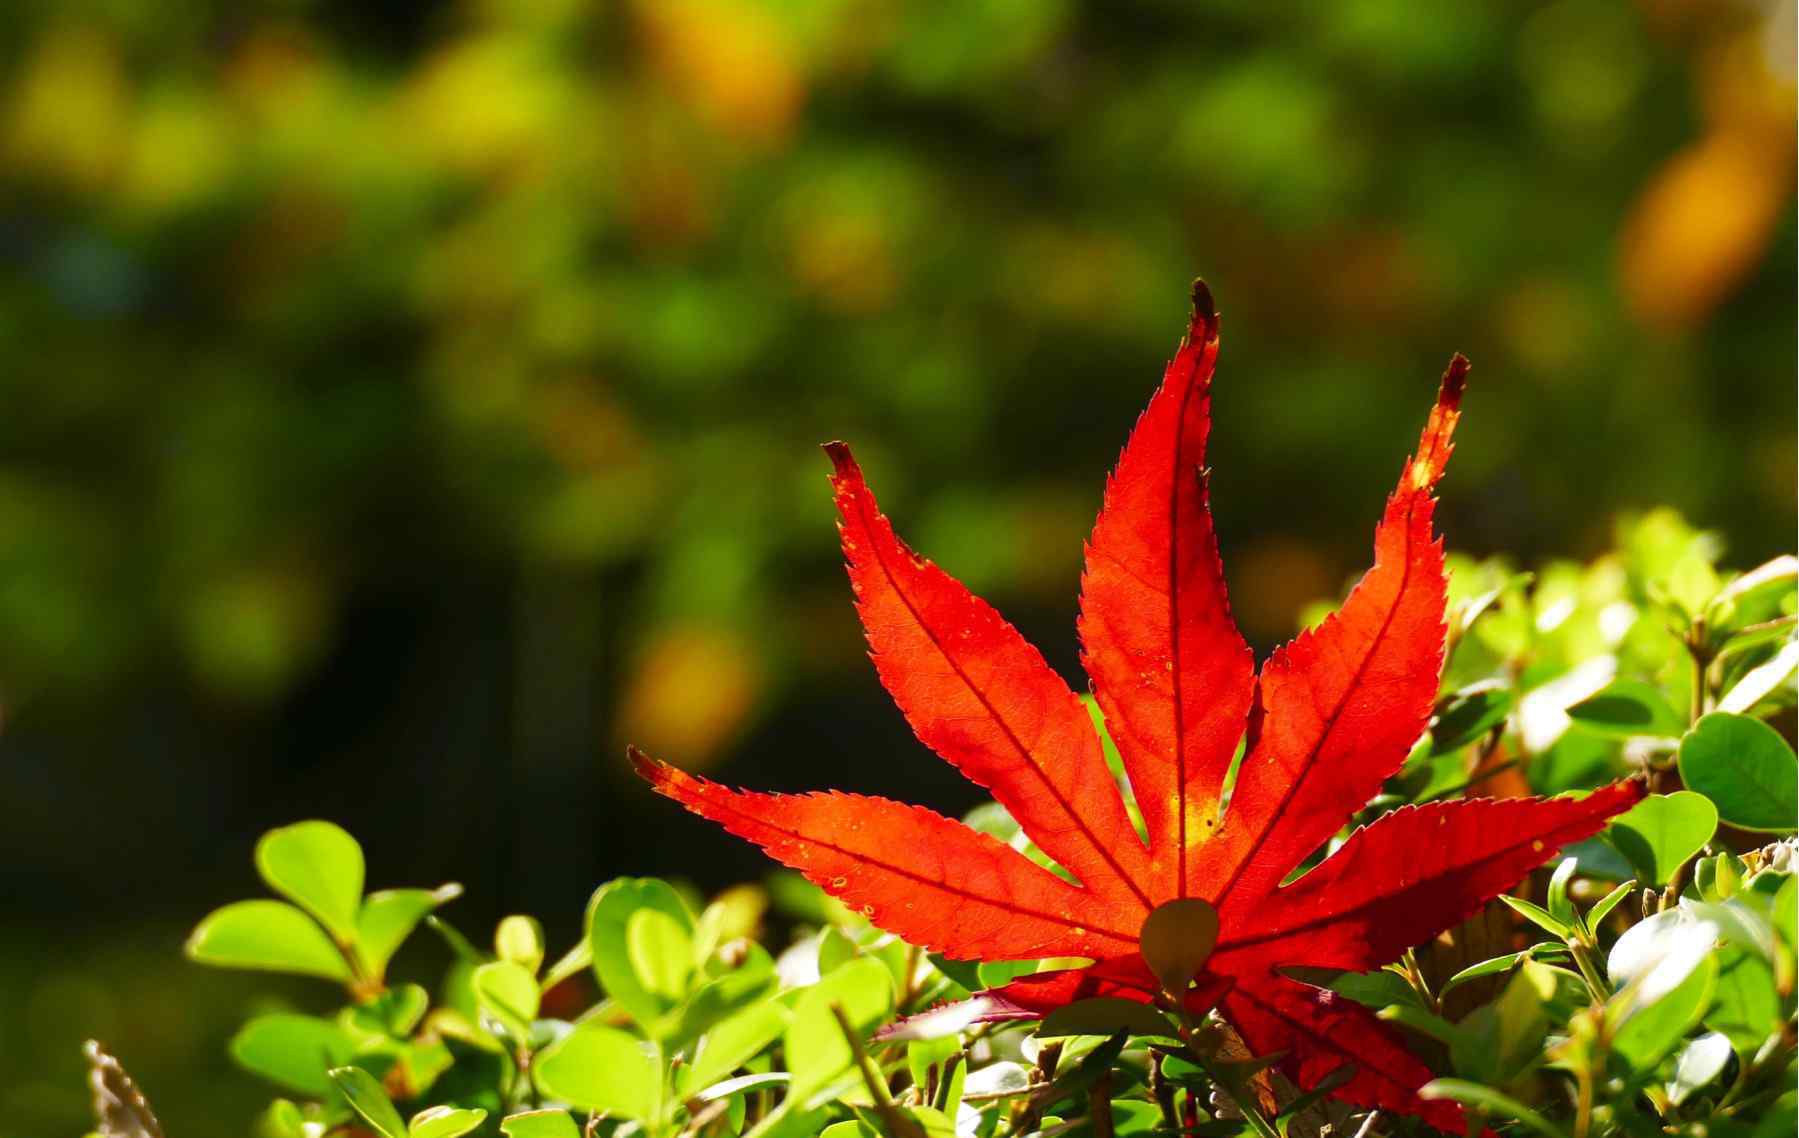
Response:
column 999, row 973
column 660, row 948
column 540, row 1124
column 715, row 1000
column 1105, row 1015
column 1692, row 583
column 1491, row 967
column 1536, row 915
column 835, row 949
column 509, row 994
column 366, row 1098
column 1490, row 1101
column 595, row 1067
column 1656, row 954
column 1423, row 1022
column 1603, row 907
column 1754, row 595
column 271, row 936
column 1785, row 912
column 1717, row 878
column 924, row 1054
column 294, row 1051
column 318, row 867
column 966, row 973
column 1497, row 1042
column 743, row 1084
column 1651, row 1031
column 1701, row 1062
column 1661, row 832
column 519, row 939
column 1176, row 941
column 816, row 1050
column 283, row 1119
column 445, row 1122
column 1376, row 989
column 737, row 1040
column 1747, row 1005
column 1746, row 768
column 1560, row 907
column 608, row 916
column 1762, row 681
column 392, row 1014
column 1626, row 709
column 1470, row 714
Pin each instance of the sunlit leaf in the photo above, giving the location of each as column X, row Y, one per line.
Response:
column 365, row 1096
column 1746, row 769
column 540, row 1124
column 318, row 867
column 445, row 1122
column 595, row 1067
column 268, row 935
column 1661, row 832
column 295, row 1051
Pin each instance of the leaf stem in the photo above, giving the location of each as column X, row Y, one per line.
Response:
column 1589, row 971
column 897, row 1124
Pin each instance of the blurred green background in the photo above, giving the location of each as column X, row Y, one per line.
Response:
column 406, row 404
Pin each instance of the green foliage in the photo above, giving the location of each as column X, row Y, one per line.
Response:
column 1659, row 834
column 1652, row 989
column 1744, row 766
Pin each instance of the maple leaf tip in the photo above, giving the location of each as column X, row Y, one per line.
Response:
column 841, row 458
column 1203, row 328
column 652, row 771
column 1455, row 382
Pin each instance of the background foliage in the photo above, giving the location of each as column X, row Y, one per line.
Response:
column 407, row 404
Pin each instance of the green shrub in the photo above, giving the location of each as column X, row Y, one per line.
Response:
column 1644, row 986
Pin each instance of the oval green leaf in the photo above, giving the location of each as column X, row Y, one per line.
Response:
column 1745, row 768
column 1626, row 709
column 1661, row 832
column 661, row 953
column 735, row 1041
column 519, row 939
column 388, row 917
column 1651, row 1032
column 366, row 1098
column 318, row 867
column 445, row 1122
column 270, row 936
column 595, row 1067
column 1702, row 1061
column 1105, row 1015
column 507, row 993
column 816, row 1051
column 540, row 1124
column 1746, row 1009
column 1470, row 714
column 608, row 917
column 294, row 1051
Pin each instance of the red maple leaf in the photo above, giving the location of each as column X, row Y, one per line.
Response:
column 1328, row 718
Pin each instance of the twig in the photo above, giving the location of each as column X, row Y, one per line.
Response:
column 897, row 1123
column 1099, row 1105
